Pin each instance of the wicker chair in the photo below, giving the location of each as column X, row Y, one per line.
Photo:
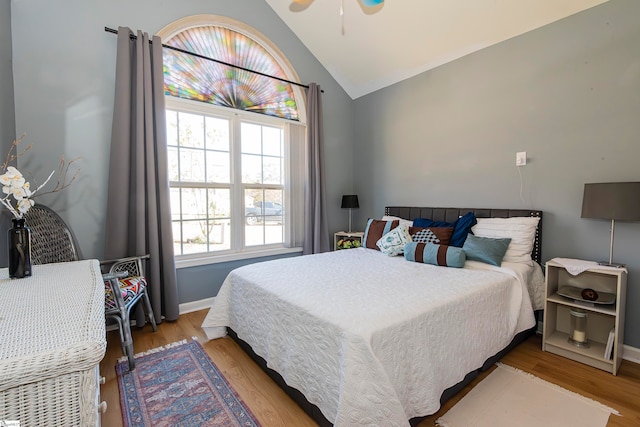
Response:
column 52, row 241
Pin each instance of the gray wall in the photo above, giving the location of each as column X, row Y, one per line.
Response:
column 7, row 116
column 64, row 65
column 568, row 94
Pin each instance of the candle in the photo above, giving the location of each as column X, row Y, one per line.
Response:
column 579, row 336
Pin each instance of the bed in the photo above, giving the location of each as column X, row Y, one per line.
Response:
column 361, row 338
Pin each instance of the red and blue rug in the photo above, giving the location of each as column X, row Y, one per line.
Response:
column 179, row 385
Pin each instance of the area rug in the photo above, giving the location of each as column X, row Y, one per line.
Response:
column 511, row 397
column 179, row 385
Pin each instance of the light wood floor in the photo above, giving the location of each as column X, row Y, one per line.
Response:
column 273, row 407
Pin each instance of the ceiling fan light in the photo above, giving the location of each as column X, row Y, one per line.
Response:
column 299, row 5
column 370, row 7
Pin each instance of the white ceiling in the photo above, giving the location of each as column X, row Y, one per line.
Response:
column 408, row 37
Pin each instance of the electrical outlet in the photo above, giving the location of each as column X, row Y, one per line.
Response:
column 521, row 158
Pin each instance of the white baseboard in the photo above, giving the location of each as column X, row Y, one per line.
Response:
column 631, row 354
column 202, row 304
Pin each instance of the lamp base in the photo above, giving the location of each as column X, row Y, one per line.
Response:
column 611, row 264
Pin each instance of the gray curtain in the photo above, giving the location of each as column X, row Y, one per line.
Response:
column 316, row 230
column 138, row 210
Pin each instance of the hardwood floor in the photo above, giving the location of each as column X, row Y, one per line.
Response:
column 273, row 407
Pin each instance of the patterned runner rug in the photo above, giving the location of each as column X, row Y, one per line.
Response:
column 179, row 385
column 511, row 397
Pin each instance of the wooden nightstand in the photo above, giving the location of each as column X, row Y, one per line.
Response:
column 354, row 236
column 601, row 319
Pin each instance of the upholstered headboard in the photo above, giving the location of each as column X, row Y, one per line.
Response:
column 452, row 214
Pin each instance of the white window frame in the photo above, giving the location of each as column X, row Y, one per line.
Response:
column 238, row 249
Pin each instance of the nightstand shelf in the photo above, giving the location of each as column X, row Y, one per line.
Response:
column 601, row 318
column 354, row 236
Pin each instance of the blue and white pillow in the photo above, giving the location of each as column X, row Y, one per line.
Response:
column 393, row 242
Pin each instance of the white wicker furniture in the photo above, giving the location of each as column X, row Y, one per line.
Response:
column 50, row 351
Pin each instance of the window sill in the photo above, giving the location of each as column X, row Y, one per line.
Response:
column 204, row 259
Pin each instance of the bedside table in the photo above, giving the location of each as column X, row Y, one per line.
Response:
column 354, row 236
column 604, row 321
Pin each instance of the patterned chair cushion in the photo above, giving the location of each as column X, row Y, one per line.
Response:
column 130, row 288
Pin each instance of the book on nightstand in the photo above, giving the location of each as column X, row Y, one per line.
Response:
column 608, row 350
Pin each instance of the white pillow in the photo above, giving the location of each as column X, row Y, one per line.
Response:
column 521, row 230
column 403, row 221
column 393, row 242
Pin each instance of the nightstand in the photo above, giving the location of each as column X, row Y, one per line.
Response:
column 354, row 237
column 565, row 302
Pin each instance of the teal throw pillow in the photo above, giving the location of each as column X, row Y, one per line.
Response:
column 485, row 249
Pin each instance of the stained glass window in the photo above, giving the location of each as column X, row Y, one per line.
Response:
column 191, row 77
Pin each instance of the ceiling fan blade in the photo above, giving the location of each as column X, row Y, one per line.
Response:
column 299, row 5
column 371, row 6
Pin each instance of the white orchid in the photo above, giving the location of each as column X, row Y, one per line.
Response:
column 14, row 184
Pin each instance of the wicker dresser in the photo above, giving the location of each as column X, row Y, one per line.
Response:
column 52, row 338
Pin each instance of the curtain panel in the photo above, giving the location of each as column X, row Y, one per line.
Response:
column 316, row 236
column 138, row 219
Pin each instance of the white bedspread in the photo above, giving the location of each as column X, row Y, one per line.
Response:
column 371, row 339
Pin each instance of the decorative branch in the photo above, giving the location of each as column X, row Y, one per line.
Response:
column 63, row 172
column 10, row 156
column 14, row 184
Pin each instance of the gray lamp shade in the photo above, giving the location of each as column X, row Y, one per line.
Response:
column 350, row 201
column 612, row 200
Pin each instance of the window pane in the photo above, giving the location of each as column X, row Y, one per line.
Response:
column 251, row 138
column 191, row 128
column 218, row 167
column 217, row 134
column 220, row 235
column 174, row 197
column 194, row 240
column 219, row 203
column 273, row 200
column 251, row 169
column 191, row 165
column 177, row 237
column 194, row 203
column 272, row 141
column 264, row 215
column 172, row 127
column 172, row 160
column 272, row 170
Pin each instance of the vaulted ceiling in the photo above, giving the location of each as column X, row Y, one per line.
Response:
column 365, row 52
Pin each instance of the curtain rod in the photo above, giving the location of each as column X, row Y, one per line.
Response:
column 177, row 49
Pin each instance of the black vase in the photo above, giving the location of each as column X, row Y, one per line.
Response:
column 19, row 240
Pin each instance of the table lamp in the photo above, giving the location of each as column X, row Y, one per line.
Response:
column 613, row 201
column 350, row 202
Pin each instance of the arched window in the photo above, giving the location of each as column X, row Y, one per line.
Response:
column 234, row 175
column 236, row 43
column 191, row 77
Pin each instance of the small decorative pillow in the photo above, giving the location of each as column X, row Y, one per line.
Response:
column 461, row 227
column 375, row 230
column 429, row 253
column 485, row 249
column 393, row 242
column 438, row 235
